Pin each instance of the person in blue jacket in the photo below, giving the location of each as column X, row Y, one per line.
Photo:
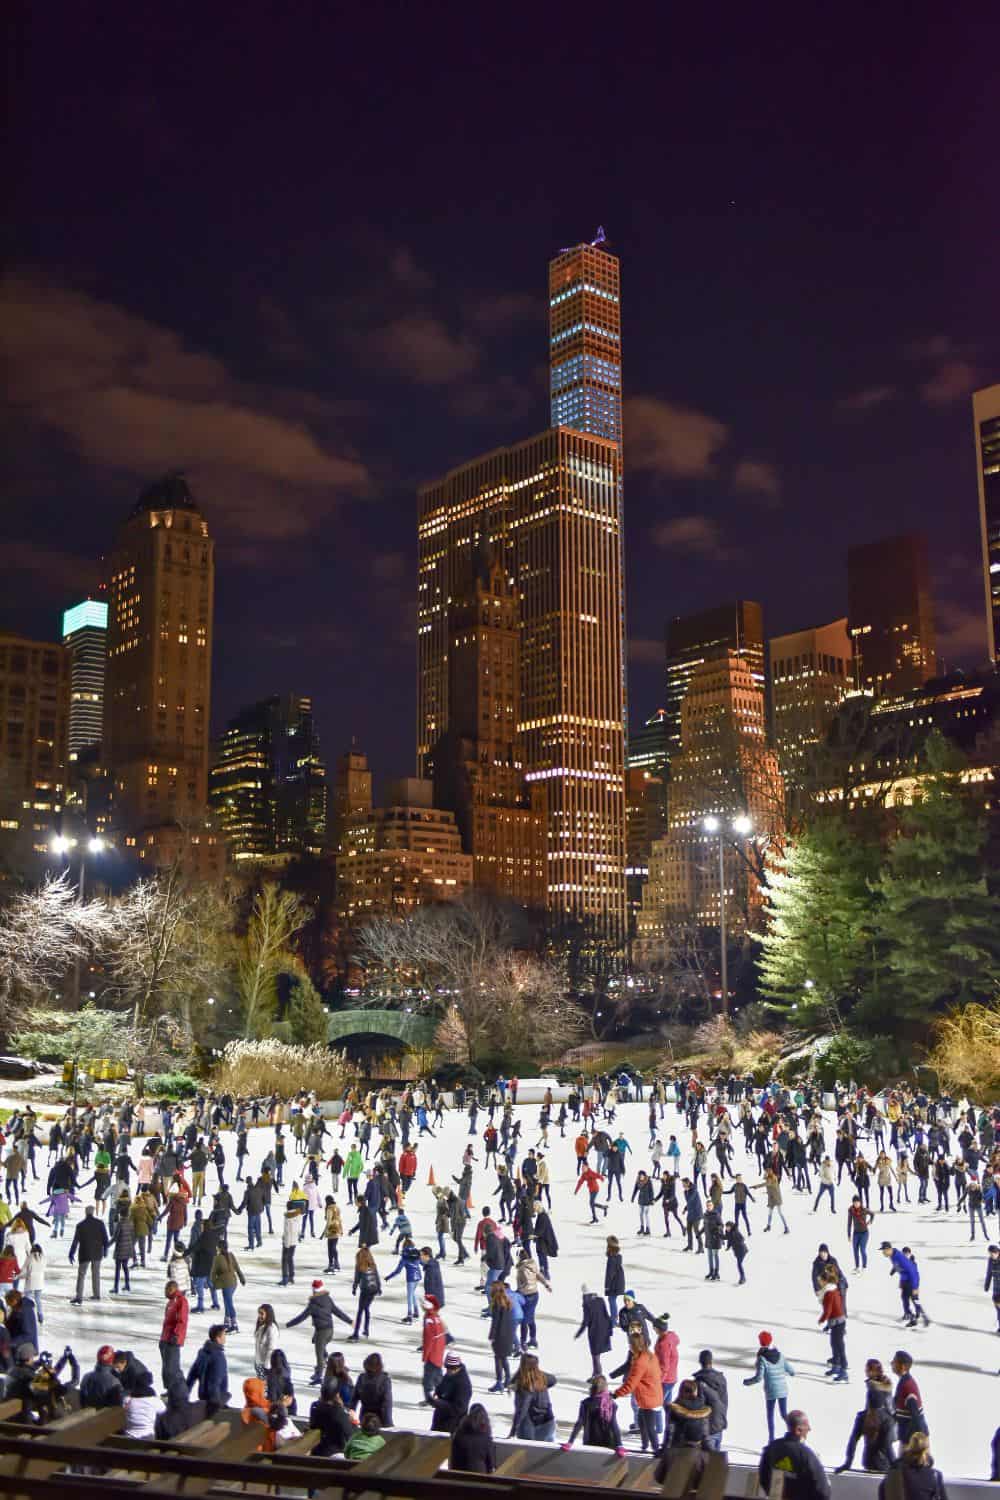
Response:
column 773, row 1369
column 905, row 1267
column 409, row 1264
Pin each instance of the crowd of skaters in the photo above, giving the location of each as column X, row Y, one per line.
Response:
column 148, row 1166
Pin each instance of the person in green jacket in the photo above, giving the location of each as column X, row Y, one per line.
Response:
column 225, row 1274
column 353, row 1167
column 366, row 1440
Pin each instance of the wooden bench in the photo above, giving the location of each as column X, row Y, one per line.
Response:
column 84, row 1427
column 219, row 1441
column 680, row 1476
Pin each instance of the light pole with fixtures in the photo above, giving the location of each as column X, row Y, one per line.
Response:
column 741, row 826
column 63, row 846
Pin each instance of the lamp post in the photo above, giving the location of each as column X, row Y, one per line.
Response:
column 63, row 846
column 740, row 826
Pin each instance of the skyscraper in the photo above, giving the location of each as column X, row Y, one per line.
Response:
column 34, row 727
column 157, row 698
column 585, row 342
column 986, row 422
column 723, row 769
column 550, row 512
column 352, row 795
column 267, row 786
column 891, row 614
column 709, row 634
column 549, row 507
column 477, row 764
column 396, row 857
column 85, row 635
column 812, row 672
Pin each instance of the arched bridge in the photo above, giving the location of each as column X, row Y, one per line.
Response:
column 402, row 1026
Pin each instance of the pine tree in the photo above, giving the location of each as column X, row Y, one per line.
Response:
column 938, row 919
column 307, row 1015
column 818, row 955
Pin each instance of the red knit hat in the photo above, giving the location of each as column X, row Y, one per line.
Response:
column 317, row 1286
column 765, row 1339
column 105, row 1355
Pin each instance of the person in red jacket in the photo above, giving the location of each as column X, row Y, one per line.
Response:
column 9, row 1270
column 173, row 1333
column 835, row 1318
column 408, row 1167
column 593, row 1181
column 433, row 1347
column 667, row 1356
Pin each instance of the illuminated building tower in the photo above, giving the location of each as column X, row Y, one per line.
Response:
column 585, row 341
column 891, row 614
column 352, row 795
column 986, row 421
column 34, row 728
column 550, row 511
column 693, row 639
column 85, row 634
column 268, row 782
column 158, row 680
column 723, row 770
column 476, row 765
column 400, row 856
column 549, row 508
column 812, row 672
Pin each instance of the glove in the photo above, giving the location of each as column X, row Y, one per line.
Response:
column 748, row 1382
column 619, row 1452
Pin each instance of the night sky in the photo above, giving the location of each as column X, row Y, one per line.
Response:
column 300, row 253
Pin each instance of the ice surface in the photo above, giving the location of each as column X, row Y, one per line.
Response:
column 956, row 1359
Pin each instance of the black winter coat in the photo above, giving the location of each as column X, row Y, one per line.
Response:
column 374, row 1393
column 614, row 1276
column 597, row 1323
column 451, row 1400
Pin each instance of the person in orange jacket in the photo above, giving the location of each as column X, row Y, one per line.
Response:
column 435, row 1339
column 835, row 1318
column 644, row 1383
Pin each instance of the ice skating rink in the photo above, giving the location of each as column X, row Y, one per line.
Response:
column 956, row 1359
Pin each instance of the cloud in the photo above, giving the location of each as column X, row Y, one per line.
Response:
column 868, row 398
column 419, row 347
column 504, row 311
column 128, row 395
column 697, row 536
column 505, row 399
column 28, row 565
column 961, row 633
column 646, row 652
column 675, row 442
column 953, row 381
column 404, row 269
column 757, row 477
column 936, row 346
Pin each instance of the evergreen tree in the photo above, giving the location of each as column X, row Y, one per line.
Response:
column 819, row 953
column 307, row 1015
column 938, row 919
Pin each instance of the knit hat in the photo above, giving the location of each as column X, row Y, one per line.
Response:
column 105, row 1354
column 317, row 1286
column 584, row 1288
column 765, row 1339
column 26, row 1353
column 630, row 1293
column 431, row 1302
column 452, row 1359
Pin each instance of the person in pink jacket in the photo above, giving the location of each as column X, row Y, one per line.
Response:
column 666, row 1349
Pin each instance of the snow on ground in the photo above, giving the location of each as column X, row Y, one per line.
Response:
column 956, row 1358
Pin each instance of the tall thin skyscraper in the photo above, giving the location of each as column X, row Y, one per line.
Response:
column 85, row 636
column 34, row 720
column 706, row 636
column 986, row 422
column 585, row 342
column 268, row 782
column 550, row 512
column 891, row 614
column 156, row 713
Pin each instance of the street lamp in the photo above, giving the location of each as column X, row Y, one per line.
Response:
column 63, row 846
column 741, row 826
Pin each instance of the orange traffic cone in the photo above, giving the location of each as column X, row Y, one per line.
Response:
column 431, row 1179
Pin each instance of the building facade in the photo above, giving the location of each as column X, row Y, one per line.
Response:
column 724, row 769
column 34, row 750
column 401, row 856
column 585, row 342
column 891, row 614
column 709, row 634
column 812, row 672
column 549, row 509
column 158, row 678
column 477, row 766
column 267, row 785
column 85, row 636
column 352, row 795
column 986, row 428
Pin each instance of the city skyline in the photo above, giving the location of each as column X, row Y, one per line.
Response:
column 347, row 361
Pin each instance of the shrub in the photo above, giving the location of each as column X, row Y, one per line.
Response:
column 966, row 1052
column 758, row 1053
column 266, row 1067
column 170, row 1086
column 449, row 1074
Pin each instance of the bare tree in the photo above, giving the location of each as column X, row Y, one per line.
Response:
column 451, row 1038
column 44, row 933
column 265, row 953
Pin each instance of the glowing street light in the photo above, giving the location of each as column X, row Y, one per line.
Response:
column 741, row 826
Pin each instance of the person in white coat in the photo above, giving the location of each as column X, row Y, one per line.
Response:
column 33, row 1278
